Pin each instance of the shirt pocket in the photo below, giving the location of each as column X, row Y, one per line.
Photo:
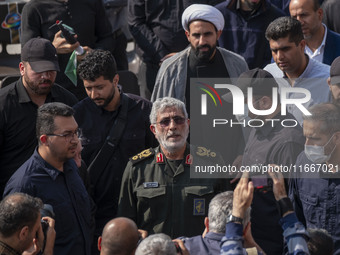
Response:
column 198, row 198
column 152, row 202
column 311, row 209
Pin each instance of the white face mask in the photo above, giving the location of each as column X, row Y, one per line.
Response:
column 316, row 153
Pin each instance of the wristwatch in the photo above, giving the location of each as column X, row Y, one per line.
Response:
column 232, row 218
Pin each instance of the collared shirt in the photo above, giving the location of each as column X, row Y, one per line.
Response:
column 7, row 250
column 270, row 145
column 316, row 197
column 88, row 20
column 95, row 124
column 209, row 245
column 294, row 232
column 318, row 53
column 161, row 200
column 66, row 193
column 17, row 125
column 313, row 78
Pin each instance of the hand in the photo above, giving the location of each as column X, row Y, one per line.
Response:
column 166, row 57
column 243, row 195
column 181, row 245
column 278, row 183
column 87, row 50
column 62, row 46
column 34, row 249
column 50, row 236
column 143, row 233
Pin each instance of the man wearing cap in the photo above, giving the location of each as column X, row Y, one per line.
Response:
column 20, row 100
column 334, row 81
column 292, row 67
column 269, row 142
column 203, row 26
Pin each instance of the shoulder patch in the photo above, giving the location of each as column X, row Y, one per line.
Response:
column 142, row 155
column 204, row 152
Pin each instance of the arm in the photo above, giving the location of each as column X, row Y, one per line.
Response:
column 142, row 32
column 242, row 198
column 103, row 29
column 127, row 200
column 294, row 233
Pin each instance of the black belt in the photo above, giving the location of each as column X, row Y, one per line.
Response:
column 117, row 33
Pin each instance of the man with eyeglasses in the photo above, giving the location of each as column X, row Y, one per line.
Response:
column 19, row 103
column 52, row 175
column 157, row 190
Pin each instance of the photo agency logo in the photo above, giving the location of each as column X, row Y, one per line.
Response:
column 243, row 102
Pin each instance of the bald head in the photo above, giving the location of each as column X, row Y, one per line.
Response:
column 120, row 236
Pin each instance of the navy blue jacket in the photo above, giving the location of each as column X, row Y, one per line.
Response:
column 332, row 47
column 245, row 35
column 209, row 245
column 316, row 198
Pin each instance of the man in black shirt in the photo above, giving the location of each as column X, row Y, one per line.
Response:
column 96, row 115
column 269, row 142
column 20, row 100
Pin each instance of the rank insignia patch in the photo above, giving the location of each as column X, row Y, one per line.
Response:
column 160, row 158
column 199, row 206
column 188, row 159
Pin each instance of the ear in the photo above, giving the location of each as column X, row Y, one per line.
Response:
column 219, row 32
column 22, row 68
column 329, row 83
column 43, row 139
column 320, row 13
column 337, row 137
column 187, row 33
column 153, row 129
column 100, row 243
column 266, row 102
column 302, row 45
column 116, row 79
column 189, row 122
column 23, row 233
column 206, row 223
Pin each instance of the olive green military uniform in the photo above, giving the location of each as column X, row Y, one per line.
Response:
column 160, row 196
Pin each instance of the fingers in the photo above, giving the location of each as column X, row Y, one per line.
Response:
column 143, row 233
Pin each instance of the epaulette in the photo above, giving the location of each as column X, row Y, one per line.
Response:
column 142, row 155
column 204, row 152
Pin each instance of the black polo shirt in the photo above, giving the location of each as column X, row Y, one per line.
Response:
column 17, row 125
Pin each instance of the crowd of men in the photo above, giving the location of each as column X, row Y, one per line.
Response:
column 86, row 168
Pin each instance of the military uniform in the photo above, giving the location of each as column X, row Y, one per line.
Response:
column 160, row 196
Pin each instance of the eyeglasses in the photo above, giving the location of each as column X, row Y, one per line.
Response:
column 166, row 121
column 68, row 136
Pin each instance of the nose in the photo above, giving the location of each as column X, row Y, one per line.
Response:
column 172, row 124
column 202, row 40
column 93, row 94
column 280, row 55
